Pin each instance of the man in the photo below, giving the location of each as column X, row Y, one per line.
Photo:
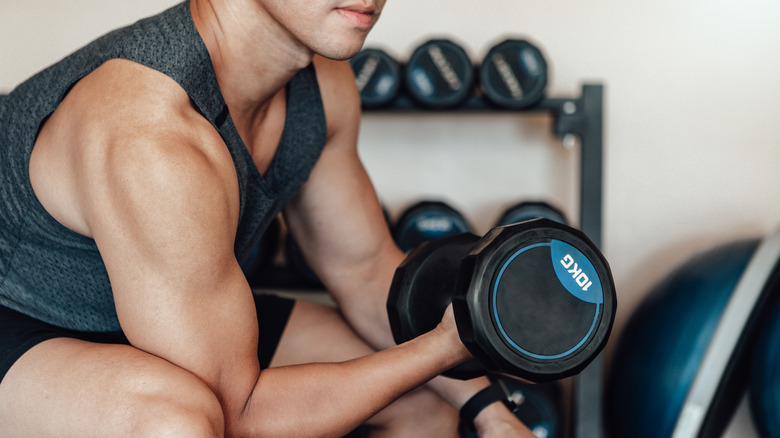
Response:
column 138, row 171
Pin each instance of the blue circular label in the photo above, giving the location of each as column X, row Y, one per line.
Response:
column 576, row 273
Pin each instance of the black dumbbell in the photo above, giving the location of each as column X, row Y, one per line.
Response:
column 528, row 210
column 534, row 300
column 378, row 77
column 439, row 74
column 263, row 253
column 513, row 74
column 428, row 220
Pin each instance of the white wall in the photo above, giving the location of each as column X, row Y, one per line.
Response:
column 691, row 129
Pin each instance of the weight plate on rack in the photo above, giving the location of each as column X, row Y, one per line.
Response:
column 378, row 77
column 514, row 74
column 439, row 74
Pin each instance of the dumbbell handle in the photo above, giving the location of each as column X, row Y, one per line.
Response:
column 419, row 295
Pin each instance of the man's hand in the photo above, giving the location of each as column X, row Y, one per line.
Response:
column 450, row 328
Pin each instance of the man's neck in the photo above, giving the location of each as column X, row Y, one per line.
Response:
column 253, row 56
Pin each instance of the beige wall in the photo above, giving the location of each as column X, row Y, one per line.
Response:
column 692, row 139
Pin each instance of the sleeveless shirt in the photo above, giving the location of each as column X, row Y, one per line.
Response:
column 58, row 276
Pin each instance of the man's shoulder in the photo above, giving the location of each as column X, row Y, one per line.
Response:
column 121, row 130
column 122, row 102
column 124, row 113
column 123, row 92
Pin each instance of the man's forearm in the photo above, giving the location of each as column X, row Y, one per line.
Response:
column 362, row 298
column 368, row 316
column 334, row 398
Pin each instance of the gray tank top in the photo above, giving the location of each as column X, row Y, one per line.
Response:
column 58, row 276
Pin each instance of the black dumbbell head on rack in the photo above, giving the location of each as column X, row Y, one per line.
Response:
column 528, row 210
column 378, row 77
column 533, row 300
column 439, row 74
column 428, row 220
column 513, row 74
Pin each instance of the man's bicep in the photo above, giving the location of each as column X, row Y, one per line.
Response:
column 164, row 222
column 336, row 218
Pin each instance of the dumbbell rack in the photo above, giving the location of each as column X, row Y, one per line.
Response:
column 579, row 120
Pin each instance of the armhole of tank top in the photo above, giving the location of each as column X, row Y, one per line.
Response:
column 56, row 226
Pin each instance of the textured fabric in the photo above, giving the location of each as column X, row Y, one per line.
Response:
column 57, row 276
column 273, row 312
column 19, row 333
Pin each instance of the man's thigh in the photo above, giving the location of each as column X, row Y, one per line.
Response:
column 67, row 387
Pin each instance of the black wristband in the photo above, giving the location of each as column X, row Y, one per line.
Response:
column 480, row 401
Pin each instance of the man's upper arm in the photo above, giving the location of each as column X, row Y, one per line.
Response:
column 161, row 200
column 336, row 217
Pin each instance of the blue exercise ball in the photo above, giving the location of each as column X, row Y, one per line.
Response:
column 662, row 345
column 764, row 393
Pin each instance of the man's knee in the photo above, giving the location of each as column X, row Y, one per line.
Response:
column 183, row 409
column 419, row 413
column 174, row 421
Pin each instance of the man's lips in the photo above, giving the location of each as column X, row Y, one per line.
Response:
column 359, row 7
column 358, row 16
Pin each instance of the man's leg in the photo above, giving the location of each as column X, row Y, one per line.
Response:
column 317, row 333
column 65, row 387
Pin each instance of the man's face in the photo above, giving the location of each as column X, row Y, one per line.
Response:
column 335, row 29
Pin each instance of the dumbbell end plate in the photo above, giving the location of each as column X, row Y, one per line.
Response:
column 535, row 300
